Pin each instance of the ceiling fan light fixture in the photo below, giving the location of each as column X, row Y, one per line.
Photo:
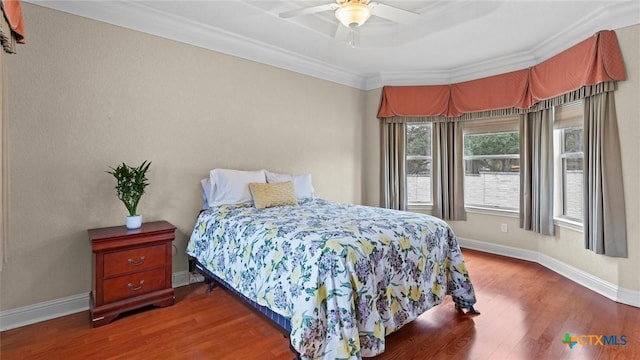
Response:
column 353, row 13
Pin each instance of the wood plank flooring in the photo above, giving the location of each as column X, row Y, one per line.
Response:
column 526, row 311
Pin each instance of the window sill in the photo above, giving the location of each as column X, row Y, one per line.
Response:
column 421, row 208
column 494, row 212
column 568, row 224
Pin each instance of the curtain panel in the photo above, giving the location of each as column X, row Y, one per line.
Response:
column 605, row 220
column 3, row 167
column 536, row 172
column 7, row 39
column 448, row 171
column 11, row 31
column 393, row 177
column 592, row 61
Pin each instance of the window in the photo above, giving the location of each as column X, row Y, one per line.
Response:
column 492, row 164
column 418, row 163
column 569, row 161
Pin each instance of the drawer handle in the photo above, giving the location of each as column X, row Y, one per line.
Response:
column 134, row 263
column 135, row 288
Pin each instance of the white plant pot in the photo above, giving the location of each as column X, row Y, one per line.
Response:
column 134, row 222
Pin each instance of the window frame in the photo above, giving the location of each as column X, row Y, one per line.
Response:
column 566, row 116
column 426, row 205
column 488, row 126
column 564, row 156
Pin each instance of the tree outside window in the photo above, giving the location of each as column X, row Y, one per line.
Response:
column 492, row 164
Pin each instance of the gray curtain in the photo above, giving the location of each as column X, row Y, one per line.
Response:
column 3, row 161
column 392, row 168
column 536, row 172
column 605, row 228
column 7, row 39
column 448, row 171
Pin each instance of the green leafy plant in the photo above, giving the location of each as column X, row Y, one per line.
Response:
column 130, row 184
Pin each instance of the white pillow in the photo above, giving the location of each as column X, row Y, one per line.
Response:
column 232, row 186
column 302, row 183
column 206, row 193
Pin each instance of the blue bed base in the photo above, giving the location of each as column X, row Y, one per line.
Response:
column 282, row 322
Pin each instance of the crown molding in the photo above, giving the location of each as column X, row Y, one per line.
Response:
column 137, row 16
column 616, row 16
column 478, row 70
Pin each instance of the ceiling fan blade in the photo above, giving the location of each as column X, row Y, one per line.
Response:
column 393, row 13
column 309, row 10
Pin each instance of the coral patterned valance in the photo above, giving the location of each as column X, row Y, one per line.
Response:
column 593, row 61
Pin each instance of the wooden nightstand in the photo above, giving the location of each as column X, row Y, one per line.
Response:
column 131, row 269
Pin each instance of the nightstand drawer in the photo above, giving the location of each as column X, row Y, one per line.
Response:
column 127, row 286
column 140, row 259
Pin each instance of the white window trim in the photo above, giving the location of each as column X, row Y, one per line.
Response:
column 492, row 211
column 486, row 126
column 568, row 224
column 483, row 126
column 572, row 117
column 421, row 206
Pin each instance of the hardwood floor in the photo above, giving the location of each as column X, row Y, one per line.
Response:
column 526, row 311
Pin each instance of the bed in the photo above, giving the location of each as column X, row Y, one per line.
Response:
column 337, row 277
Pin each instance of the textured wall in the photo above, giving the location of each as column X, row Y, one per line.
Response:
column 84, row 95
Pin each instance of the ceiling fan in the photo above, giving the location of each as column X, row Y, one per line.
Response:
column 354, row 13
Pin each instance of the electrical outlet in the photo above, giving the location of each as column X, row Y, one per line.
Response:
column 503, row 228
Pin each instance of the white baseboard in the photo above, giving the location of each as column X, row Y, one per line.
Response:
column 591, row 282
column 26, row 315
column 31, row 314
column 180, row 278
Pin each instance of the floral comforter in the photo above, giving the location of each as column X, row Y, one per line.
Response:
column 346, row 275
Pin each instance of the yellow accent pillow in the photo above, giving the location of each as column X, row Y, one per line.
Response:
column 273, row 194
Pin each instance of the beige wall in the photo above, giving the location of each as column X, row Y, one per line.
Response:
column 566, row 245
column 85, row 95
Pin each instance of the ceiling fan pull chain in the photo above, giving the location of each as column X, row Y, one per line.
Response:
column 352, row 36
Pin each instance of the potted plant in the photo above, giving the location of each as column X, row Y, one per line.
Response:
column 130, row 187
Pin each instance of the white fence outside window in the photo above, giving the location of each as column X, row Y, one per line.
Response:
column 496, row 188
